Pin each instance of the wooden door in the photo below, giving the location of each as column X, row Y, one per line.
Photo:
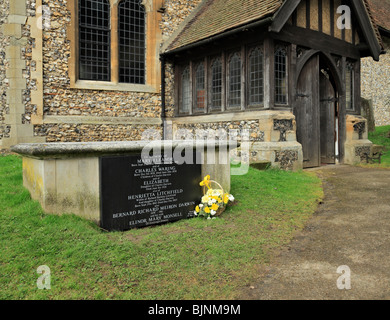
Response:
column 307, row 114
column 327, row 120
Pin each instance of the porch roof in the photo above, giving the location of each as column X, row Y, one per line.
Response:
column 381, row 12
column 215, row 17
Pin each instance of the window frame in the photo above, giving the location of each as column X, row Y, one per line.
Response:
column 120, row 61
column 108, row 35
column 152, row 58
column 210, row 108
column 276, row 46
column 185, row 68
column 250, row 50
column 196, row 64
column 350, row 66
column 244, row 51
column 230, row 56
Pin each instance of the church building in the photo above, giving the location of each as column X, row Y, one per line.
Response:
column 286, row 72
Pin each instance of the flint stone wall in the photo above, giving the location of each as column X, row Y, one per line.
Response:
column 60, row 100
column 376, row 85
column 4, row 43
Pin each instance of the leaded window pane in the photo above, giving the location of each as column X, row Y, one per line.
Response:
column 216, row 84
column 235, row 80
column 131, row 36
column 349, row 85
column 186, row 91
column 200, row 87
column 281, row 75
column 256, row 77
column 94, row 40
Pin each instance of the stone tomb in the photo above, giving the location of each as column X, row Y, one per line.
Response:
column 112, row 184
column 138, row 194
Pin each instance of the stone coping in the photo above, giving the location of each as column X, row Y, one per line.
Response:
column 64, row 150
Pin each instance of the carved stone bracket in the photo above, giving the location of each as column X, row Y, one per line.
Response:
column 300, row 52
column 363, row 152
column 286, row 159
column 360, row 128
column 283, row 126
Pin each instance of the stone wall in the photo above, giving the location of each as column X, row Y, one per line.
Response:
column 376, row 85
column 17, row 47
column 50, row 107
column 29, row 67
column 176, row 12
column 265, row 136
column 357, row 145
column 94, row 132
column 4, row 43
column 60, row 99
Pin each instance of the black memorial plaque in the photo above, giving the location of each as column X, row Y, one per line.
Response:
column 135, row 194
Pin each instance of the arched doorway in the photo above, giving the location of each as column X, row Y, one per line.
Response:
column 317, row 113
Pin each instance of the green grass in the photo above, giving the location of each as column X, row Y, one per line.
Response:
column 189, row 259
column 380, row 137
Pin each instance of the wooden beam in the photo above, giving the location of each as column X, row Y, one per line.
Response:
column 367, row 28
column 332, row 12
column 320, row 22
column 283, row 14
column 308, row 14
column 318, row 41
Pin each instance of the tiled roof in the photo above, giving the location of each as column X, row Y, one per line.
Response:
column 214, row 17
column 381, row 11
column 374, row 22
column 217, row 16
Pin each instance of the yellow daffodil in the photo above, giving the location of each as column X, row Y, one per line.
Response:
column 212, row 201
column 215, row 207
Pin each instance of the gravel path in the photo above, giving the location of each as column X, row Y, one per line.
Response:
column 351, row 228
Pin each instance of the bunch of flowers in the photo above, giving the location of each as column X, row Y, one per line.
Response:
column 214, row 201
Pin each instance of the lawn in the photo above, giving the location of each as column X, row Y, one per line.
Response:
column 190, row 259
column 380, row 137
